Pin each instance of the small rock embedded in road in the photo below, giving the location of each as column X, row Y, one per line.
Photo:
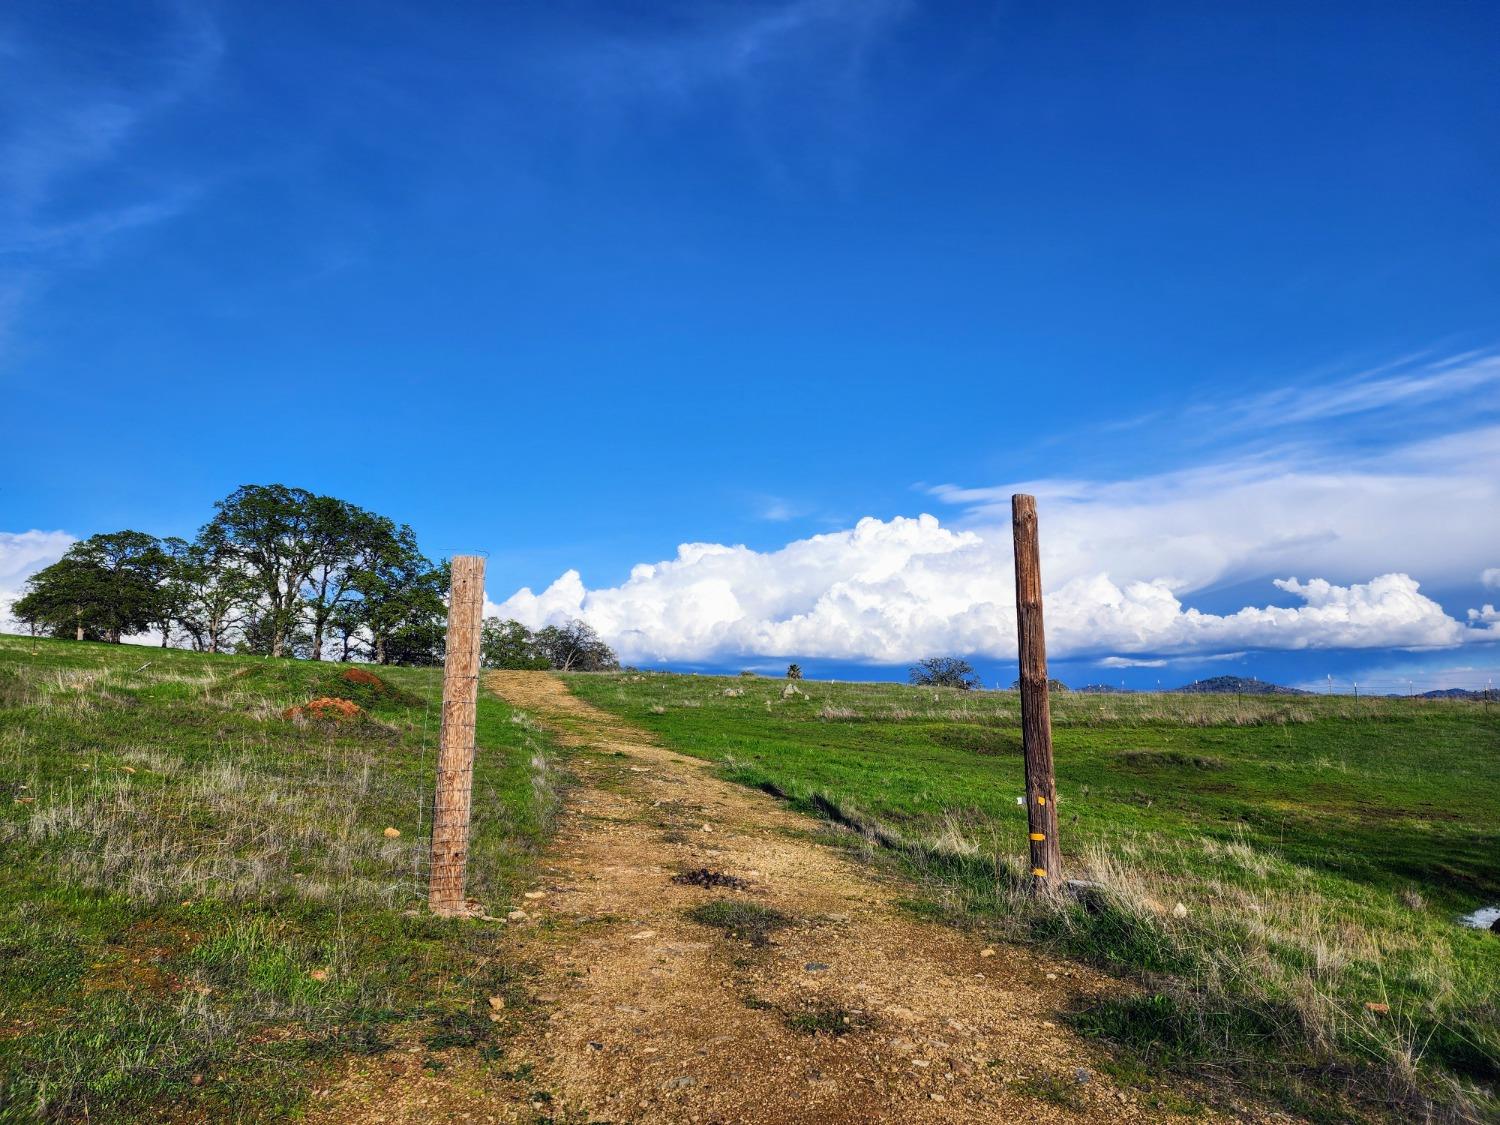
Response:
column 815, row 966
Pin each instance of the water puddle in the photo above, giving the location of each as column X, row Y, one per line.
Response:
column 1481, row 919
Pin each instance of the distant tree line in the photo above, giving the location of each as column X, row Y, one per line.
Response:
column 573, row 646
column 278, row 571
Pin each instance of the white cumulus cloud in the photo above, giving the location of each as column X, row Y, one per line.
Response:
column 1122, row 560
column 22, row 554
column 891, row 591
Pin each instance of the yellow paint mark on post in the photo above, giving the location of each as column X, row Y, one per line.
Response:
column 1039, row 872
column 1039, row 835
column 1041, row 800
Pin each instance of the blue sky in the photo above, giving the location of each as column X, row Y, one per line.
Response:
column 574, row 284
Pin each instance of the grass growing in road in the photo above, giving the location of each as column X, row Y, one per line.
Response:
column 1320, row 848
column 203, row 901
column 739, row 918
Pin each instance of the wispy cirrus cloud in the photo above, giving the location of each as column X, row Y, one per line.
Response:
column 758, row 59
column 1409, row 382
column 75, row 108
column 691, row 46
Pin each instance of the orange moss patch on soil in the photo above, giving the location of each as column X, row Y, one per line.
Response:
column 328, row 707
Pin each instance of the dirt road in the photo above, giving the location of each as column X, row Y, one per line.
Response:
column 852, row 1011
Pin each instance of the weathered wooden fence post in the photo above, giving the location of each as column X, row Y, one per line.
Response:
column 1036, row 714
column 455, row 766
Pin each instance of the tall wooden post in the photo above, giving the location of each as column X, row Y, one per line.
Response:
column 1036, row 713
column 455, row 766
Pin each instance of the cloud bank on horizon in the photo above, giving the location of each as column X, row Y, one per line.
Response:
column 890, row 591
column 1120, row 558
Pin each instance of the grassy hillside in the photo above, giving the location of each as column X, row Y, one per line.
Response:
column 200, row 903
column 1321, row 849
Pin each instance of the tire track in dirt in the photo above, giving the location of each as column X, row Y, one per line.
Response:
column 857, row 1012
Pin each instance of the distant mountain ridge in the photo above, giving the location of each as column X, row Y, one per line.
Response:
column 1237, row 685
column 1456, row 693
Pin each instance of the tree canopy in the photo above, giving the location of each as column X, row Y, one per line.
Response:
column 573, row 646
column 104, row 588
column 282, row 571
column 277, row 570
column 944, row 671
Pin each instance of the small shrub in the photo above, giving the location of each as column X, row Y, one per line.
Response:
column 944, row 671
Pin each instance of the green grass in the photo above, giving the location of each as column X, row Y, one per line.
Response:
column 200, row 907
column 1054, row 1088
column 821, row 1018
column 1321, row 847
column 740, row 918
